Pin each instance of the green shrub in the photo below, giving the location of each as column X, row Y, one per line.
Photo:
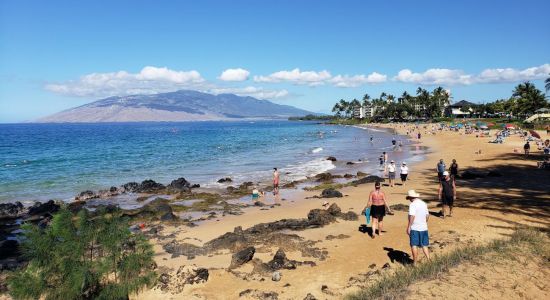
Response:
column 83, row 257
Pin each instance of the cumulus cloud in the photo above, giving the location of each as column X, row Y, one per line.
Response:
column 149, row 80
column 252, row 91
column 234, row 75
column 459, row 77
column 513, row 75
column 434, row 76
column 357, row 80
column 296, row 76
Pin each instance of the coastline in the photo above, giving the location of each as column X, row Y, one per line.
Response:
column 344, row 258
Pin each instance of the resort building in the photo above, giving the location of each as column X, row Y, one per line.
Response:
column 462, row 108
column 363, row 111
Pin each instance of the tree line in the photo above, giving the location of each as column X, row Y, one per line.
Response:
column 525, row 100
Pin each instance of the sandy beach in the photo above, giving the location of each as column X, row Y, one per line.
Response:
column 347, row 258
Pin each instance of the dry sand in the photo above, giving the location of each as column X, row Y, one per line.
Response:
column 487, row 208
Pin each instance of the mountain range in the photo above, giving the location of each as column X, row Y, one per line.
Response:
column 184, row 105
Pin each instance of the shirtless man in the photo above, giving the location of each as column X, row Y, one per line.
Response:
column 275, row 181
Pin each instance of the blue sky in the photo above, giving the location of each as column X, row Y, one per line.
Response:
column 59, row 54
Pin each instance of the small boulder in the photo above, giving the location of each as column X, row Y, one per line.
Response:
column 361, row 174
column 309, row 296
column 131, row 187
column 224, row 180
column 331, row 158
column 11, row 210
column 324, row 176
column 38, row 208
column 348, row 176
column 276, row 276
column 86, row 195
column 368, row 179
column 334, row 209
column 331, row 193
column 350, row 163
column 180, row 184
column 242, row 257
column 150, row 186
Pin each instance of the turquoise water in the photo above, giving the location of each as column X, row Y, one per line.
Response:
column 56, row 161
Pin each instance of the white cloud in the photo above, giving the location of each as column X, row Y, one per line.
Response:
column 434, row 76
column 234, row 75
column 296, row 76
column 357, row 80
column 513, row 75
column 252, row 91
column 459, row 77
column 149, row 80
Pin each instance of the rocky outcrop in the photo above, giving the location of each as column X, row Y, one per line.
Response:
column 225, row 180
column 150, row 186
column 368, row 179
column 158, row 209
column 323, row 177
column 331, row 158
column 174, row 282
column 180, row 185
column 44, row 208
column 11, row 210
column 86, row 195
column 331, row 193
column 131, row 187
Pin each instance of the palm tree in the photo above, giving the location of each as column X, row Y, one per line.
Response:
column 366, row 100
column 547, row 83
column 528, row 98
column 337, row 110
column 344, row 106
column 390, row 98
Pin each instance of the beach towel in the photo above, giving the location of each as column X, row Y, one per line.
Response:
column 367, row 214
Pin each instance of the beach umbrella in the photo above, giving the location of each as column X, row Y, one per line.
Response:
column 509, row 126
column 483, row 127
column 534, row 134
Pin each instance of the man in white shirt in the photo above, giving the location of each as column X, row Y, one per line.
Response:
column 404, row 172
column 391, row 173
column 418, row 225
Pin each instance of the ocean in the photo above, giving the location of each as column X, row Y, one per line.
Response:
column 57, row 161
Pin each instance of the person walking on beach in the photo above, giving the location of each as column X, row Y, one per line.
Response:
column 417, row 228
column 377, row 203
column 454, row 170
column 404, row 173
column 391, row 172
column 441, row 167
column 527, row 148
column 275, row 181
column 447, row 194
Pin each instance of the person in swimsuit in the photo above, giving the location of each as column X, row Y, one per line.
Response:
column 275, row 181
column 377, row 203
column 453, row 169
column 447, row 194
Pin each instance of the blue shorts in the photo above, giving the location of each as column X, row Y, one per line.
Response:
column 419, row 238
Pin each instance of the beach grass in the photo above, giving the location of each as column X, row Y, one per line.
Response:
column 393, row 286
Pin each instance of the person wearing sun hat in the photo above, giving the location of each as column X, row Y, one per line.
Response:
column 417, row 229
column 447, row 194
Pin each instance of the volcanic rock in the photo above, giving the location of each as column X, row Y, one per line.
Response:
column 331, row 193
column 242, row 257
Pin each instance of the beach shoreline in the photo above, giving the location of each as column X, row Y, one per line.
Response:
column 341, row 257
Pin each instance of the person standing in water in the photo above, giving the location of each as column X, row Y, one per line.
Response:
column 377, row 203
column 275, row 181
column 447, row 194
